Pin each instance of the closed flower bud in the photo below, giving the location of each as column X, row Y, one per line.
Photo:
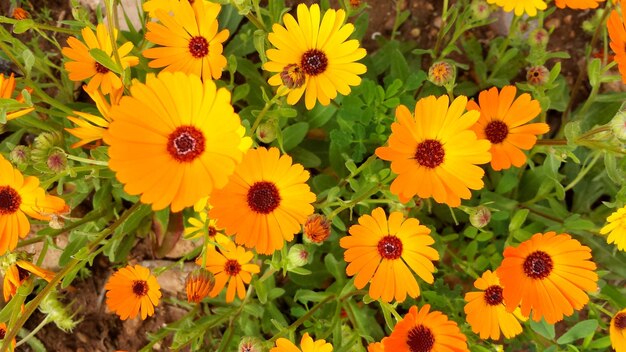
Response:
column 298, row 256
column 250, row 344
column 539, row 37
column 316, row 229
column 537, row 75
column 441, row 73
column 292, row 76
column 44, row 144
column 266, row 132
column 618, row 125
column 480, row 10
column 20, row 155
column 57, row 161
column 198, row 285
column 20, row 14
column 480, row 216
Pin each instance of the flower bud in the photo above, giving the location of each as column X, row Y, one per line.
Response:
column 57, row 161
column 250, row 344
column 20, row 155
column 480, row 216
column 441, row 73
column 537, row 75
column 480, row 10
column 618, row 125
column 539, row 37
column 266, row 132
column 316, row 229
column 292, row 76
column 198, row 285
column 20, row 14
column 43, row 145
column 298, row 256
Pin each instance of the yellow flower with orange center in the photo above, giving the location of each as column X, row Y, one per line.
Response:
column 434, row 151
column 381, row 251
column 17, row 273
column 617, row 33
column 188, row 40
column 91, row 127
column 504, row 122
column 82, row 65
column 132, row 291
column 265, row 202
column 231, row 265
column 549, row 275
column 312, row 57
column 426, row 331
column 174, row 140
column 21, row 196
column 307, row 344
column 520, row 7
column 617, row 331
column 486, row 311
column 7, row 87
column 616, row 229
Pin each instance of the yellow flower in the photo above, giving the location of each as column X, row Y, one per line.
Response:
column 617, row 331
column 231, row 266
column 21, row 196
column 616, row 228
column 7, row 87
column 91, row 127
column 202, row 225
column 529, row 7
column 434, row 151
column 174, row 140
column 312, row 56
column 381, row 251
column 307, row 344
column 188, row 40
column 82, row 66
column 132, row 290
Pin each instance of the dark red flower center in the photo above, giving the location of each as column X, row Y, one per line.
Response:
column 314, row 62
column 198, row 47
column 538, row 265
column 3, row 332
column 140, row 288
column 496, row 131
column 10, row 200
column 212, row 231
column 620, row 321
column 100, row 68
column 420, row 339
column 390, row 247
column 430, row 153
column 263, row 197
column 232, row 267
column 22, row 273
column 186, row 143
column 493, row 295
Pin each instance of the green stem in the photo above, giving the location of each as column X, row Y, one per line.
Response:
column 43, row 323
column 261, row 114
column 551, row 142
column 170, row 327
column 13, row 330
column 583, row 172
column 231, row 324
column 255, row 21
column 87, row 161
column 355, row 201
column 302, row 319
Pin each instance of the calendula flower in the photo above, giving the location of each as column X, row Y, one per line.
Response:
column 265, row 202
column 91, row 127
column 617, row 331
column 616, row 229
column 617, row 33
column 7, row 87
column 426, row 331
column 486, row 311
column 503, row 121
column 202, row 225
column 20, row 14
column 3, row 332
column 231, row 266
column 307, row 344
column 434, row 152
column 198, row 285
column 313, row 58
column 188, row 40
column 578, row 4
column 549, row 274
column 151, row 6
column 17, row 273
column 82, row 66
column 316, row 228
column 21, row 196
column 174, row 140
column 381, row 251
column 133, row 291
column 520, row 7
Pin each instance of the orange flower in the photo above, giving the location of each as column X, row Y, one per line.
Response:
column 578, row 4
column 617, row 33
column 232, row 266
column 549, row 274
column 502, row 122
column 376, row 346
column 198, row 285
column 381, row 251
column 7, row 86
column 17, row 273
column 426, row 331
column 486, row 312
column 617, row 331
column 316, row 228
column 3, row 332
column 20, row 14
column 91, row 127
column 131, row 291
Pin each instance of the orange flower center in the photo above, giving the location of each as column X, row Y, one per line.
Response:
column 430, row 153
column 493, row 295
column 292, row 76
column 198, row 47
column 140, row 288
column 10, row 200
column 100, row 68
column 620, row 321
column 263, row 197
column 212, row 231
column 420, row 339
column 314, row 62
column 186, row 143
column 390, row 247
column 232, row 267
column 496, row 131
column 538, row 265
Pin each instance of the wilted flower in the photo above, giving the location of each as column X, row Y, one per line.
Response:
column 316, row 228
column 537, row 75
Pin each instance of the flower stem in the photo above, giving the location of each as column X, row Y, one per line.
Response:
column 302, row 319
column 43, row 323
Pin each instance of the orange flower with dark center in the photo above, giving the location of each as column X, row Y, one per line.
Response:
column 7, row 88
column 549, row 275
column 231, row 265
column 3, row 332
column 19, row 272
column 132, row 290
column 617, row 331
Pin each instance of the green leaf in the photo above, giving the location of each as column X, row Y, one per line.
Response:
column 334, row 267
column 518, row 219
column 105, row 60
column 294, row 135
column 23, row 25
column 542, row 328
column 578, row 331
